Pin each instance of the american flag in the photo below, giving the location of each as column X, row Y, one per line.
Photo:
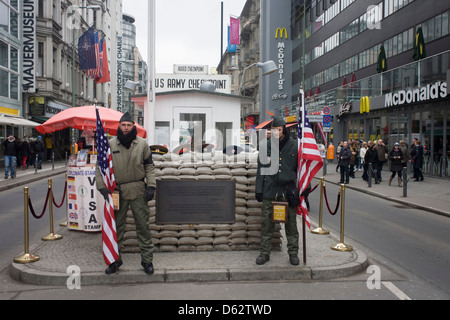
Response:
column 309, row 159
column 109, row 232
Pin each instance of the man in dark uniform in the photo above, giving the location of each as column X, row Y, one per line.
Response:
column 275, row 187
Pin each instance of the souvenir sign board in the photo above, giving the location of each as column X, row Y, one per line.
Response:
column 85, row 203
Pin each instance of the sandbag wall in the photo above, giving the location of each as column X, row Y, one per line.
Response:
column 244, row 234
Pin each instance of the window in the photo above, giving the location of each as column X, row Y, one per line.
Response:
column 9, row 77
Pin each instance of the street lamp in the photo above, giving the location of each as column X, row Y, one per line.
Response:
column 267, row 67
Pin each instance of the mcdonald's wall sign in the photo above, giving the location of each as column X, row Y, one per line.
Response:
column 276, row 45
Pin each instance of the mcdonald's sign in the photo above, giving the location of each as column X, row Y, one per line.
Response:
column 365, row 105
column 280, row 32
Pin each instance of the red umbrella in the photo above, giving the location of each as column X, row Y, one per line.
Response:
column 85, row 118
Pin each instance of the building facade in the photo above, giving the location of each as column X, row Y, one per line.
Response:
column 133, row 67
column 407, row 99
column 40, row 71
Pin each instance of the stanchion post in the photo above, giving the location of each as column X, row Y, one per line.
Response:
column 341, row 246
column 320, row 230
column 52, row 236
column 405, row 182
column 27, row 257
column 64, row 224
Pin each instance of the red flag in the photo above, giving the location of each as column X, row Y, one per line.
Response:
column 106, row 75
column 309, row 161
column 109, row 232
column 234, row 31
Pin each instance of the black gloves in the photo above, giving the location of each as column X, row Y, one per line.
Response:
column 105, row 193
column 259, row 197
column 149, row 193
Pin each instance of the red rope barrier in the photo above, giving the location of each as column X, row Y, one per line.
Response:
column 45, row 206
column 328, row 205
column 64, row 197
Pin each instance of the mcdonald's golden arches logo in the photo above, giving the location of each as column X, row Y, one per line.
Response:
column 365, row 105
column 280, row 32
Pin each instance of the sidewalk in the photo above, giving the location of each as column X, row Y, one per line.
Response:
column 24, row 177
column 432, row 194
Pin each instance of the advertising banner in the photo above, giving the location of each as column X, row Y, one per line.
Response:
column 85, row 203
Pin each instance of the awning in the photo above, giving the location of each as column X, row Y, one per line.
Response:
column 19, row 122
column 263, row 125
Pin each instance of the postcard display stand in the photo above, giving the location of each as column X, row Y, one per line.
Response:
column 85, row 203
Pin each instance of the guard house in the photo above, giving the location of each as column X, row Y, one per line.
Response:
column 183, row 116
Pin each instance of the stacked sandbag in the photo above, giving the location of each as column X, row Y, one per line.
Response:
column 244, row 234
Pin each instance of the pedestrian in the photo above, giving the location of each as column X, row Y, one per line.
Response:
column 344, row 157
column 338, row 150
column 25, row 153
column 406, row 155
column 396, row 157
column 353, row 159
column 11, row 150
column 417, row 155
column 135, row 178
column 277, row 187
column 49, row 146
column 372, row 161
column 39, row 149
column 382, row 157
column 362, row 154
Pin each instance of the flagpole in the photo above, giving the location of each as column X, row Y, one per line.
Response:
column 302, row 109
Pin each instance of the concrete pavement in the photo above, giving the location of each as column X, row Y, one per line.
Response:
column 83, row 250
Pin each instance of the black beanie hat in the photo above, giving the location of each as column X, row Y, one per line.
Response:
column 126, row 118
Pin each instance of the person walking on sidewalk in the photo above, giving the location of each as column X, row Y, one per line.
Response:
column 135, row 178
column 371, row 158
column 382, row 157
column 344, row 161
column 11, row 152
column 396, row 157
column 362, row 154
column 39, row 149
column 280, row 183
column 417, row 155
column 25, row 153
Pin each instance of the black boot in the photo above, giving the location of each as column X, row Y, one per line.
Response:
column 148, row 267
column 262, row 259
column 113, row 267
column 293, row 258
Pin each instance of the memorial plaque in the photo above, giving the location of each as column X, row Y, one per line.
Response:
column 195, row 202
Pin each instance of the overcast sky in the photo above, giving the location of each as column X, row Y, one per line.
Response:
column 187, row 31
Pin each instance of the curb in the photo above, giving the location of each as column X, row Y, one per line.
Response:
column 25, row 274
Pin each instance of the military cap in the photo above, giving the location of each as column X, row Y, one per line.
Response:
column 278, row 122
column 126, row 118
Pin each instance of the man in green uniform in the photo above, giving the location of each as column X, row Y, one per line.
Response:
column 135, row 177
column 276, row 186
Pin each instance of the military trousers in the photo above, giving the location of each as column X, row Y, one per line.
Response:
column 141, row 215
column 267, row 229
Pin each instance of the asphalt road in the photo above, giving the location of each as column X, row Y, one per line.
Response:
column 415, row 240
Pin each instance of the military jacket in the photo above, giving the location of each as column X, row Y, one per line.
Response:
column 286, row 171
column 133, row 168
